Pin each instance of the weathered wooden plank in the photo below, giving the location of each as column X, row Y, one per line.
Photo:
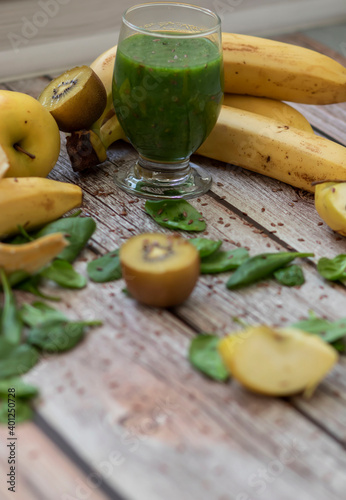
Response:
column 286, row 212
column 125, row 370
column 129, row 395
column 42, row 472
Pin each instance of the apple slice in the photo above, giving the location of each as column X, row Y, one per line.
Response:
column 277, row 361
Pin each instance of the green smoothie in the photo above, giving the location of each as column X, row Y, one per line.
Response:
column 167, row 93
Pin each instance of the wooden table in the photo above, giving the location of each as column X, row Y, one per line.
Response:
column 124, row 416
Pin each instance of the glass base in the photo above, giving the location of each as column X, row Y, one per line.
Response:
column 145, row 180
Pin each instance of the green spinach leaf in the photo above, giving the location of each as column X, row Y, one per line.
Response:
column 332, row 269
column 31, row 285
column 260, row 267
column 205, row 246
column 175, row 214
column 23, row 411
column 205, row 357
column 39, row 312
column 105, row 268
column 329, row 331
column 77, row 231
column 16, row 359
column 22, row 389
column 63, row 273
column 57, row 335
column 290, row 275
column 222, row 261
column 10, row 321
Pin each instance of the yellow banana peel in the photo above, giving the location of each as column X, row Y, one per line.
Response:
column 33, row 256
column 267, row 68
column 271, row 108
column 34, row 201
column 268, row 147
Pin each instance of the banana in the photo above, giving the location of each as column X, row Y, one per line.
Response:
column 271, row 108
column 103, row 66
column 33, row 256
column 282, row 71
column 34, row 201
column 330, row 205
column 271, row 148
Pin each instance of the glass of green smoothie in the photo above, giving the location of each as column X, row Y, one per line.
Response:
column 167, row 94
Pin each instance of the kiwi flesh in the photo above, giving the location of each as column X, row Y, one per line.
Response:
column 76, row 99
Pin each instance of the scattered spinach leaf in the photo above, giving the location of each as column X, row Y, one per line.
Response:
column 260, row 267
column 63, row 273
column 205, row 246
column 175, row 214
column 329, row 331
column 10, row 321
column 23, row 390
column 25, row 234
column 23, row 411
column 77, row 230
column 205, row 357
column 222, row 261
column 332, row 269
column 31, row 285
column 39, row 312
column 58, row 335
column 290, row 275
column 105, row 268
column 16, row 359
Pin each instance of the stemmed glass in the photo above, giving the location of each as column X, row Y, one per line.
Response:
column 167, row 94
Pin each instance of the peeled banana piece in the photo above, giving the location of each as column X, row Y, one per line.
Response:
column 33, row 256
column 267, row 146
column 262, row 67
column 34, row 201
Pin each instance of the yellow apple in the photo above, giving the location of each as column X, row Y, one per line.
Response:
column 4, row 165
column 330, row 204
column 29, row 135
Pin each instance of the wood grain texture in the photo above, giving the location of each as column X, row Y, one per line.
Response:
column 43, row 472
column 127, row 400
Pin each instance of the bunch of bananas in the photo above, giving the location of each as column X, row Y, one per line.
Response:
column 256, row 131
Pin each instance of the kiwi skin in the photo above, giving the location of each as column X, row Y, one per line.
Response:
column 164, row 281
column 83, row 106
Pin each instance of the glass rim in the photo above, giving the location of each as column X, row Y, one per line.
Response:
column 170, row 34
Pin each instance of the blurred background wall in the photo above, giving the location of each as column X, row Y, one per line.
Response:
column 45, row 36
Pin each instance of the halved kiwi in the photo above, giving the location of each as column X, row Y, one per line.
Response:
column 76, row 99
column 159, row 270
